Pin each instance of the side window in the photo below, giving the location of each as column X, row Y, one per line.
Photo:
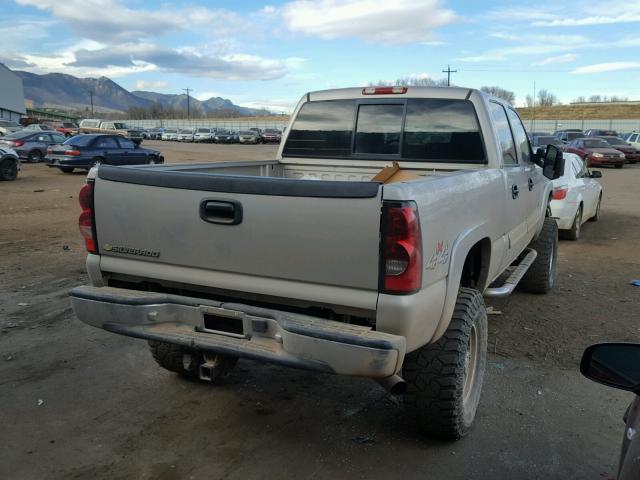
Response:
column 575, row 168
column 42, row 138
column 522, row 141
column 58, row 138
column 584, row 171
column 106, row 142
column 125, row 143
column 504, row 133
column 633, row 138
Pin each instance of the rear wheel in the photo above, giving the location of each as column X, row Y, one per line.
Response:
column 186, row 362
column 8, row 169
column 152, row 160
column 541, row 275
column 574, row 232
column 35, row 156
column 97, row 161
column 66, row 169
column 444, row 379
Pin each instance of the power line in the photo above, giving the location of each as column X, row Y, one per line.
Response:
column 448, row 71
column 188, row 90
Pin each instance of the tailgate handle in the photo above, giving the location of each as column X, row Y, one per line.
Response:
column 222, row 212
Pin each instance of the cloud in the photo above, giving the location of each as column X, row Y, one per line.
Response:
column 112, row 22
column 606, row 67
column 189, row 61
column 151, row 85
column 566, row 58
column 530, row 45
column 401, row 21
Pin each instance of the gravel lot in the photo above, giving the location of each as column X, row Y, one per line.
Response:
column 77, row 402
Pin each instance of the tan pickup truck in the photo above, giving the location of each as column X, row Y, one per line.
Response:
column 89, row 125
column 316, row 261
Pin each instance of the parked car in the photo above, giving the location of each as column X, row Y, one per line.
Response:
column 204, row 134
column 92, row 125
column 633, row 139
column 256, row 130
column 631, row 154
column 185, row 135
column 9, row 126
column 567, row 136
column 541, row 141
column 225, row 136
column 617, row 365
column 32, row 145
column 38, row 127
column 596, row 152
column 86, row 151
column 577, row 197
column 169, row 134
column 270, row 135
column 343, row 275
column 248, row 136
column 600, row 133
column 68, row 129
column 9, row 163
column 154, row 133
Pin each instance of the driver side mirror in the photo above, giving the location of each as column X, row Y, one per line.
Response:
column 595, row 174
column 553, row 165
column 616, row 365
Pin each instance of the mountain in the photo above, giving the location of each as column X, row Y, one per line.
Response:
column 59, row 90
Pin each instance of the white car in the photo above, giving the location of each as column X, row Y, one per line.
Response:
column 576, row 197
column 185, row 135
column 169, row 134
column 204, row 134
column 633, row 139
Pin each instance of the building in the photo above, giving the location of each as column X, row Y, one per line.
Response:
column 11, row 95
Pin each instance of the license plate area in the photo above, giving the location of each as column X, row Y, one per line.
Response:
column 223, row 322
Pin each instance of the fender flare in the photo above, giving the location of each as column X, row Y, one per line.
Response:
column 459, row 251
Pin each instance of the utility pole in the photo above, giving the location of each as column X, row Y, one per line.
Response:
column 188, row 106
column 448, row 71
column 91, row 97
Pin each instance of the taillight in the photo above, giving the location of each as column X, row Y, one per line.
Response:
column 560, row 193
column 383, row 90
column 49, row 151
column 18, row 143
column 401, row 250
column 73, row 153
column 86, row 220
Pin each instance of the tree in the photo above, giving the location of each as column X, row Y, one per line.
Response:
column 500, row 93
column 595, row 98
column 411, row 82
column 580, row 99
column 529, row 100
column 546, row 98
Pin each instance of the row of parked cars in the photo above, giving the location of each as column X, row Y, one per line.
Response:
column 215, row 135
column 596, row 147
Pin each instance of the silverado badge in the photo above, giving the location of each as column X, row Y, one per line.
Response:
column 130, row 251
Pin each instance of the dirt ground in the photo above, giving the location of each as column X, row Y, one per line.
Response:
column 77, row 402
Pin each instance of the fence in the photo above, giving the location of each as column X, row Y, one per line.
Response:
column 620, row 126
column 234, row 124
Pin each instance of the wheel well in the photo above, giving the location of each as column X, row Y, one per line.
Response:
column 476, row 266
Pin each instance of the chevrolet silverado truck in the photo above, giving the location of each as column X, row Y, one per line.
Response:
column 310, row 261
column 89, row 125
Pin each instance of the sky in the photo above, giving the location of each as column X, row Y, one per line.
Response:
column 268, row 54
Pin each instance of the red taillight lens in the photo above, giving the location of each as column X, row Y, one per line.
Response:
column 49, row 151
column 383, row 90
column 560, row 193
column 401, row 248
column 73, row 153
column 85, row 222
column 18, row 143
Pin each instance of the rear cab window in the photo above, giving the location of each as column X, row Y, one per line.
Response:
column 415, row 129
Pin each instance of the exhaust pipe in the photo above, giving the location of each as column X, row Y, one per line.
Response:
column 393, row 384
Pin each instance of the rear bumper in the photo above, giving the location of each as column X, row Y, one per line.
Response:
column 75, row 162
column 268, row 335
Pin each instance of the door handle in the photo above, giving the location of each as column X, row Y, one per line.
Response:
column 514, row 191
column 221, row 212
column 531, row 184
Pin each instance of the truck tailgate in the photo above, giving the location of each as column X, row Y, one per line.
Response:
column 299, row 230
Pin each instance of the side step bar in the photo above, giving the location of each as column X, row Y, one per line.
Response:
column 516, row 275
